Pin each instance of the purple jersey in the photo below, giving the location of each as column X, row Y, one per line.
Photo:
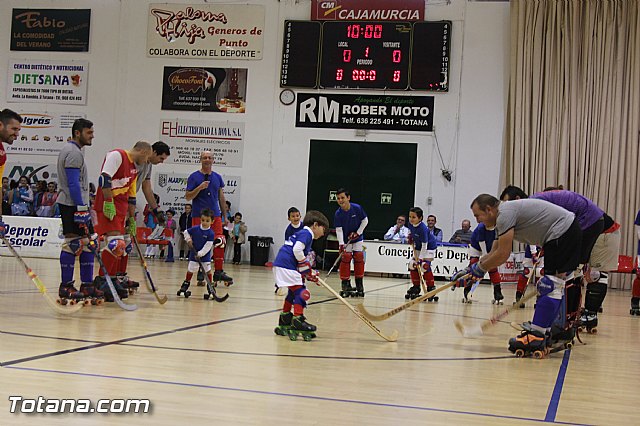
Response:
column 286, row 258
column 421, row 234
column 207, row 198
column 199, row 238
column 349, row 221
column 586, row 211
column 292, row 230
column 481, row 241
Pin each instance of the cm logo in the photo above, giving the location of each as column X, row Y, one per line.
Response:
column 329, row 7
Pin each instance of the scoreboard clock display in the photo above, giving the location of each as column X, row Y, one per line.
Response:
column 366, row 55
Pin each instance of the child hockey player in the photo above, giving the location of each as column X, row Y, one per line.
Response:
column 424, row 250
column 350, row 221
column 200, row 239
column 290, row 269
column 294, row 217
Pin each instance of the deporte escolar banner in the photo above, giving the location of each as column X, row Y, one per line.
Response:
column 371, row 112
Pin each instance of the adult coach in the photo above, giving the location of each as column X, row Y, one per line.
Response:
column 538, row 222
column 204, row 190
column 10, row 125
column 73, row 202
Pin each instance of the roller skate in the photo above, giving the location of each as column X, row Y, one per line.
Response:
column 300, row 327
column 68, row 294
column 467, row 297
column 222, row 276
column 518, row 297
column 635, row 306
column 101, row 284
column 589, row 320
column 433, row 298
column 200, row 279
column 284, row 324
column 359, row 287
column 347, row 290
column 123, row 279
column 413, row 292
column 184, row 289
column 91, row 294
column 497, row 295
column 561, row 338
column 529, row 343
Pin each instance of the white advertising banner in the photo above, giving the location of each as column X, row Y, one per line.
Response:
column 33, row 236
column 171, row 188
column 393, row 258
column 35, row 171
column 51, row 82
column 43, row 133
column 206, row 31
column 188, row 138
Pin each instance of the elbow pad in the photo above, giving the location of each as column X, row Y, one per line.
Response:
column 104, row 181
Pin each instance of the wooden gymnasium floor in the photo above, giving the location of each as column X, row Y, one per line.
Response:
column 201, row 362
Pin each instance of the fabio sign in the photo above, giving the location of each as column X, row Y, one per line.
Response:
column 47, row 30
column 371, row 10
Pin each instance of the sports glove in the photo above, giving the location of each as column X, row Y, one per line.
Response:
column 413, row 264
column 425, row 265
column 304, row 267
column 160, row 215
column 109, row 209
column 132, row 227
column 476, row 272
column 82, row 215
column 312, row 276
column 2, row 228
column 354, row 236
column 341, row 248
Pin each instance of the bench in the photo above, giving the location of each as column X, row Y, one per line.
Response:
column 142, row 232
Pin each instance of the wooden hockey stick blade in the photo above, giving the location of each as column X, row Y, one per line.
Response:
column 389, row 338
column 394, row 311
column 112, row 288
column 422, row 283
column 39, row 284
column 210, row 289
column 148, row 281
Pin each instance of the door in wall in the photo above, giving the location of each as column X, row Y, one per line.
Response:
column 380, row 176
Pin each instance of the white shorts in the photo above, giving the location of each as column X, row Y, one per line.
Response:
column 357, row 246
column 286, row 277
column 604, row 256
column 193, row 266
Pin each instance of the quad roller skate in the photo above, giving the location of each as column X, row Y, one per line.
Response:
column 347, row 290
column 561, row 338
column 300, row 327
column 101, row 284
column 68, row 294
column 589, row 322
column 529, row 343
column 200, row 278
column 184, row 289
column 434, row 298
column 467, row 297
column 635, row 306
column 497, row 295
column 413, row 292
column 359, row 288
column 127, row 283
column 91, row 295
column 221, row 276
column 284, row 324
column 518, row 297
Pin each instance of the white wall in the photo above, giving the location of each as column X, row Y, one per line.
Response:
column 124, row 97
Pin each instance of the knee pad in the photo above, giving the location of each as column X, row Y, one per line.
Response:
column 220, row 241
column 116, row 245
column 547, row 309
column 550, row 286
column 346, row 257
column 358, row 264
column 358, row 257
column 635, row 288
column 594, row 296
column 300, row 296
column 415, row 277
column 128, row 247
column 290, row 296
column 73, row 245
column 494, row 276
column 573, row 296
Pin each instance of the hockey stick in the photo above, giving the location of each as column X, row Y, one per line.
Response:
column 391, row 338
column 337, row 260
column 148, row 281
column 93, row 246
column 360, row 307
column 211, row 290
column 422, row 283
column 41, row 287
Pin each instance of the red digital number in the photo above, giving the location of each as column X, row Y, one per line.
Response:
column 396, row 56
column 346, row 55
column 366, row 52
column 396, row 76
column 372, row 75
column 339, row 73
column 353, row 31
column 377, row 31
column 368, row 31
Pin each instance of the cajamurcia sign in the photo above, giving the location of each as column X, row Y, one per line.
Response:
column 205, row 31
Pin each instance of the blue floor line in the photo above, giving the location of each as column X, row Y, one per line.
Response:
column 552, row 410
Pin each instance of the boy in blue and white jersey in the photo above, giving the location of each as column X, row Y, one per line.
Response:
column 424, row 250
column 200, row 239
column 350, row 221
column 290, row 269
